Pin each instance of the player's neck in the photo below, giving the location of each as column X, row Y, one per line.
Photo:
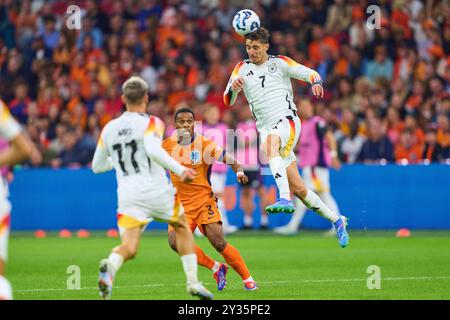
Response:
column 136, row 108
column 263, row 60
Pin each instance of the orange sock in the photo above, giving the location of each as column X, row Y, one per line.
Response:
column 203, row 259
column 234, row 259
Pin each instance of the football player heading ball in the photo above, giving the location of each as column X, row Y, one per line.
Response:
column 266, row 82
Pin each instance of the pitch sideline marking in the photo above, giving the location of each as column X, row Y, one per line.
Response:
column 280, row 281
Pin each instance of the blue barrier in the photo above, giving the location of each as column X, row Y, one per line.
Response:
column 374, row 197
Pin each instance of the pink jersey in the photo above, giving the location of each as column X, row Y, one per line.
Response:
column 313, row 150
column 247, row 144
column 218, row 134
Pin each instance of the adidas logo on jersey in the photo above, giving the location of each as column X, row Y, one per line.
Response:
column 250, row 73
column 278, row 176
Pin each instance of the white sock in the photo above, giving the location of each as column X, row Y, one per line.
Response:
column 279, row 174
column 248, row 221
column 313, row 202
column 190, row 267
column 116, row 261
column 216, row 266
column 5, row 289
column 248, row 279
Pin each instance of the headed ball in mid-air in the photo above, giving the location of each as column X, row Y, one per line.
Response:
column 246, row 21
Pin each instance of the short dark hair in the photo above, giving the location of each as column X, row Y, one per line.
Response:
column 183, row 110
column 262, row 34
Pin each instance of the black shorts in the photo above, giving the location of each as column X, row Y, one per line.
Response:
column 254, row 179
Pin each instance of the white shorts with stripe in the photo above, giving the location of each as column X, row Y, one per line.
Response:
column 288, row 128
column 160, row 205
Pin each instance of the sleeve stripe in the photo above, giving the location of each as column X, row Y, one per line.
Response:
column 236, row 69
column 289, row 61
column 155, row 126
column 314, row 77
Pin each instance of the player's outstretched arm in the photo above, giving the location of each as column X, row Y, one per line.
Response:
column 236, row 166
column 234, row 86
column 157, row 153
column 20, row 150
column 300, row 72
column 101, row 161
column 22, row 147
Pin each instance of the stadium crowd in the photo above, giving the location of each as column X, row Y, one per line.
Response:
column 387, row 90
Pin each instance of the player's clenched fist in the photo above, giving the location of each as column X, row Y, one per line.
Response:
column 317, row 90
column 188, row 175
column 241, row 177
column 237, row 84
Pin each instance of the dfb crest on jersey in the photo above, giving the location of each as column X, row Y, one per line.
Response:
column 272, row 67
column 195, row 156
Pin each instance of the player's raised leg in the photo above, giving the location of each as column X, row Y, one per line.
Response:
column 214, row 233
column 271, row 149
column 313, row 202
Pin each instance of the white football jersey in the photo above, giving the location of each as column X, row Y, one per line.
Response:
column 131, row 144
column 268, row 87
column 9, row 129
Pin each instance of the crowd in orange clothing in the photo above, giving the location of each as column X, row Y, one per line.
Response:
column 387, row 90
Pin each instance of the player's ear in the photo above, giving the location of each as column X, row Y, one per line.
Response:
column 266, row 47
column 124, row 100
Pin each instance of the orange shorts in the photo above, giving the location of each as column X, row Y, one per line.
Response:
column 205, row 213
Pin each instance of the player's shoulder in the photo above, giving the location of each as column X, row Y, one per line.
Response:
column 169, row 142
column 204, row 139
column 240, row 65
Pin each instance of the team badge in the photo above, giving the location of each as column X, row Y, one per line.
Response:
column 195, row 156
column 272, row 68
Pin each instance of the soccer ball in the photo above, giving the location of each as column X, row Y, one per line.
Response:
column 246, row 21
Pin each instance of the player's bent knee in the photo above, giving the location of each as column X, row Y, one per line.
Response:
column 299, row 190
column 219, row 244
column 173, row 240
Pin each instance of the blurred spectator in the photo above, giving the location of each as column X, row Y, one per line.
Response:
column 433, row 151
column 72, row 154
column 380, row 67
column 443, row 132
column 377, row 148
column 351, row 145
column 407, row 150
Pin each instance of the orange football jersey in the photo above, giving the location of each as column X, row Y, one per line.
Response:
column 199, row 155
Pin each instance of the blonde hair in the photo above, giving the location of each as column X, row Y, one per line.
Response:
column 134, row 90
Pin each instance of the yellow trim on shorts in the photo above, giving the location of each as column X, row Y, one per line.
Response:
column 290, row 143
column 176, row 210
column 128, row 222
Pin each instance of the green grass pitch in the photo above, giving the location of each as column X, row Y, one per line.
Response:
column 305, row 266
